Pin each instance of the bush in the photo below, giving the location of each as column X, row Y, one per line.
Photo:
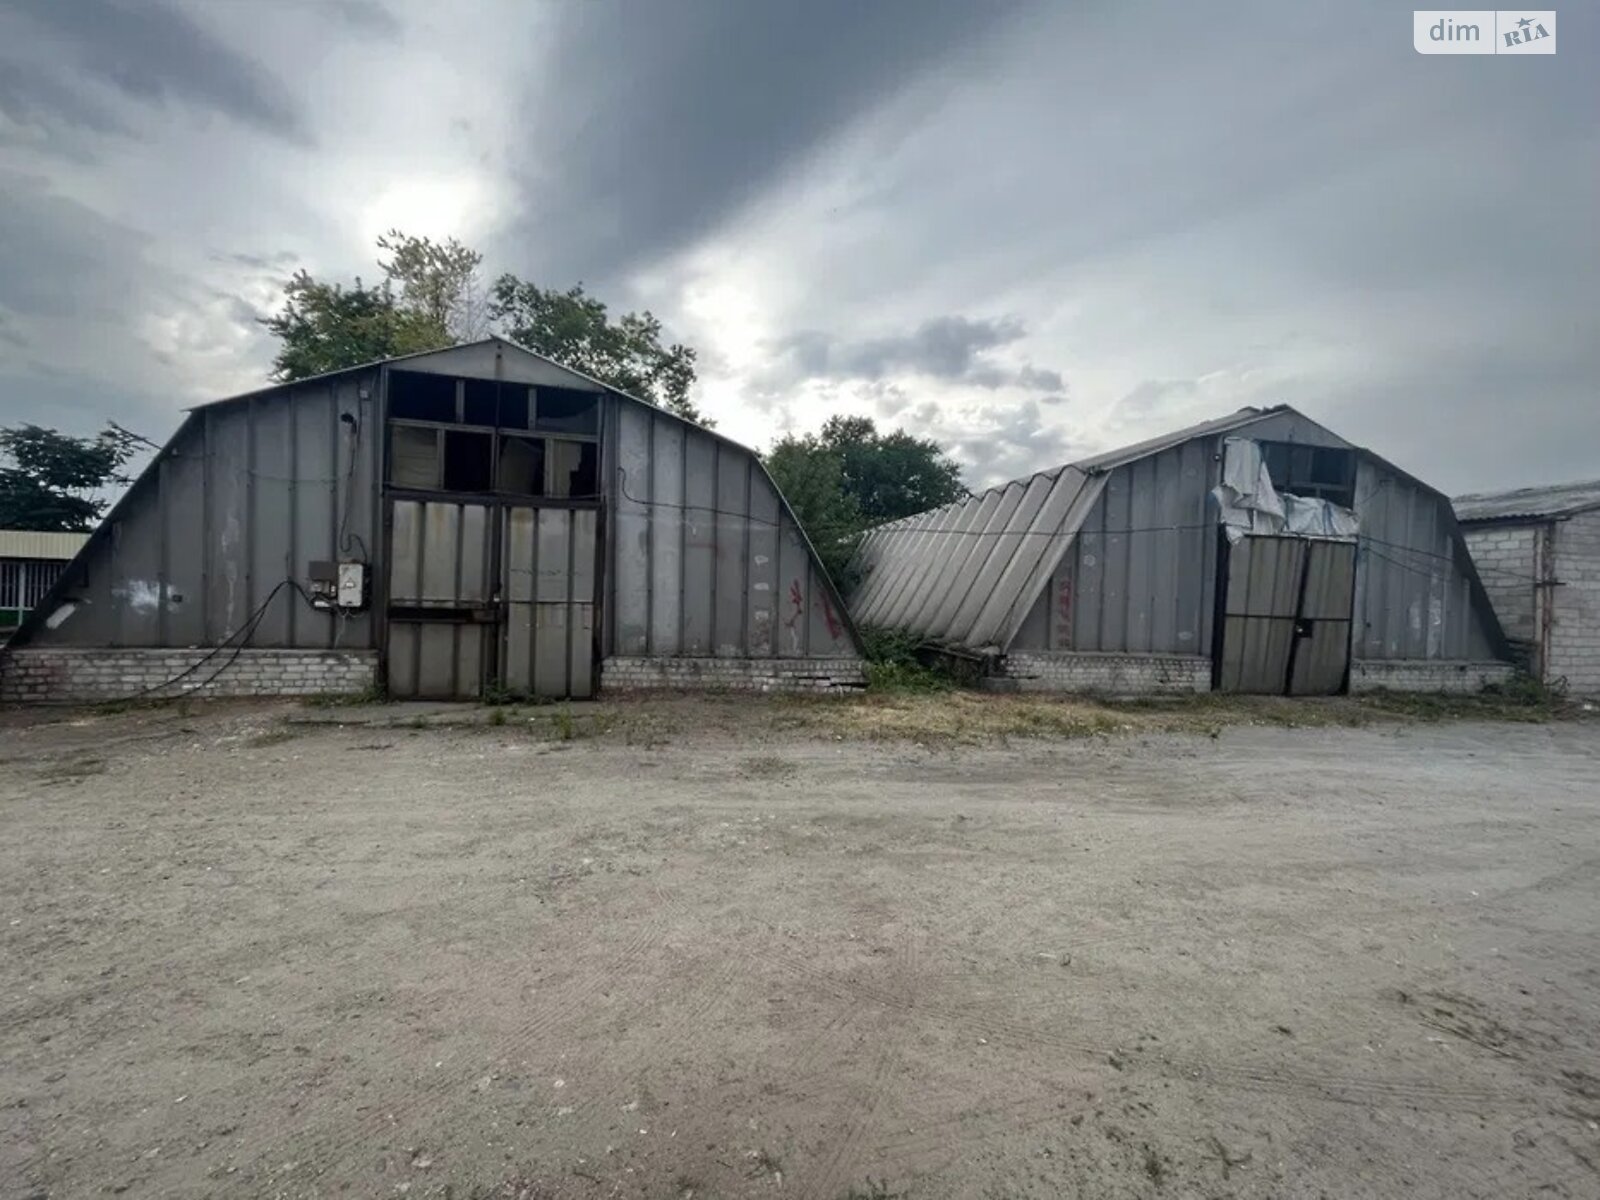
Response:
column 894, row 663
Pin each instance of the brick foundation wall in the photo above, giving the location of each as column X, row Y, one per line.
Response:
column 1424, row 675
column 55, row 676
column 1110, row 674
column 732, row 674
column 1575, row 606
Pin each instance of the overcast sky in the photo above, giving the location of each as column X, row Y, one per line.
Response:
column 1033, row 231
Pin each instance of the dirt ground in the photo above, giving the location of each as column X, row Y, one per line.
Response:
column 244, row 957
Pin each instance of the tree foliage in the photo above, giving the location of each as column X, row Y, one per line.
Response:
column 327, row 327
column 432, row 296
column 576, row 329
column 849, row 477
column 439, row 281
column 52, row 482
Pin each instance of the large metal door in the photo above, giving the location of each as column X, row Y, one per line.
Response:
column 441, row 605
column 1321, row 656
column 548, row 580
column 1286, row 616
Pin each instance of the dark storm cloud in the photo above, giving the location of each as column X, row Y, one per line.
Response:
column 35, row 97
column 1012, row 444
column 149, row 52
column 59, row 259
column 367, row 16
column 653, row 122
column 951, row 348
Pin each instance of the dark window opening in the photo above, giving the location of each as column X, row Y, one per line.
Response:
column 562, row 410
column 1317, row 472
column 468, row 461
column 522, row 466
column 417, row 397
column 514, row 399
column 481, row 403
column 574, row 468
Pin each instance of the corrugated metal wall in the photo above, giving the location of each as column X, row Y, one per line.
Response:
column 1139, row 576
column 705, row 558
column 244, row 496
column 1414, row 592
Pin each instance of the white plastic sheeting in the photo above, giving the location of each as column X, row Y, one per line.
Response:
column 1251, row 505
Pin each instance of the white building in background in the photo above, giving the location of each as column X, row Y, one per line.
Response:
column 30, row 563
column 1538, row 551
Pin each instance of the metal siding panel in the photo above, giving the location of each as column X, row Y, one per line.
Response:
column 965, row 537
column 895, row 594
column 700, row 551
column 1089, row 580
column 442, row 553
column 728, row 631
column 227, row 487
column 965, row 578
column 966, row 627
column 1049, row 540
column 929, row 560
column 553, row 578
column 1320, row 660
column 1114, row 557
column 272, row 483
column 551, row 650
column 1034, row 632
column 762, row 540
column 1192, row 584
column 794, row 598
column 1143, row 517
column 581, row 646
column 313, row 517
column 630, row 554
column 666, row 537
column 183, row 487
column 402, row 659
column 828, row 637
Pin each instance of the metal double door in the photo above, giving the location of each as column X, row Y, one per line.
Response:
column 488, row 597
column 1286, row 616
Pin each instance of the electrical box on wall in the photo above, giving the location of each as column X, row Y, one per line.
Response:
column 337, row 586
column 352, row 585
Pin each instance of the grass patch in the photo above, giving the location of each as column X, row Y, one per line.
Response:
column 896, row 662
column 371, row 694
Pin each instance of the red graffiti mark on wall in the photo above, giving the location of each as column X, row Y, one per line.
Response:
column 1064, row 612
column 835, row 627
column 798, row 599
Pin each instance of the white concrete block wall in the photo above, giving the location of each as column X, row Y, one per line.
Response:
column 1426, row 675
column 1507, row 563
column 55, row 675
column 1106, row 674
column 732, row 674
column 1575, row 606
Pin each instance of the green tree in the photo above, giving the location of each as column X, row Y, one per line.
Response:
column 811, row 480
column 576, row 330
column 890, row 475
column 849, row 477
column 438, row 281
column 326, row 327
column 53, row 482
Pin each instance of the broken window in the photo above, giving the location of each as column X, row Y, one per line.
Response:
column 562, row 410
column 1316, row 472
column 573, row 469
column 522, row 466
column 414, row 396
column 468, row 461
column 480, row 402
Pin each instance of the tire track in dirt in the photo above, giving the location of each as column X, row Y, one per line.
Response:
column 840, row 1166
column 1329, row 1086
column 332, row 1142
